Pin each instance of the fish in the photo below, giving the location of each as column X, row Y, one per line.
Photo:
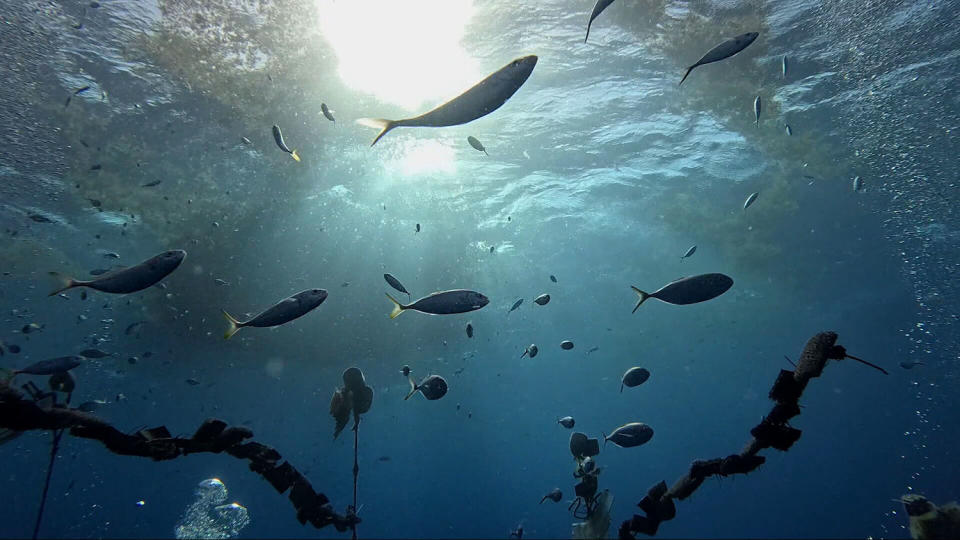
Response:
column 326, row 112
column 756, row 110
column 515, row 305
column 111, row 254
column 724, row 50
column 61, row 364
column 789, row 130
column 417, row 229
column 597, row 10
column 152, row 184
column 81, row 90
column 555, row 495
column 857, row 183
column 96, row 167
column 783, row 66
column 442, row 303
column 753, row 197
column 90, row 406
column 567, row 422
column 691, row 251
column 492, row 248
column 476, row 144
column 634, row 376
column 480, row 100
column 688, row 290
column 469, row 330
column 530, row 351
column 192, row 382
column 630, row 435
column 432, row 387
column 128, row 280
column 566, row 345
column 405, row 370
column 395, row 283
column 32, row 327
column 40, row 218
column 278, row 137
column 282, row 312
column 593, row 349
column 245, row 141
column 910, row 365
column 94, row 353
column 219, row 281
column 542, row 300
column 133, row 326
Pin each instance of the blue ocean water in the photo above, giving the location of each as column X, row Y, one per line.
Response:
column 602, row 172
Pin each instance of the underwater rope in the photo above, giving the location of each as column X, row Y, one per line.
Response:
column 212, row 436
column 773, row 431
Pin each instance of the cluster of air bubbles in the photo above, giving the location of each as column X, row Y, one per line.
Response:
column 208, row 516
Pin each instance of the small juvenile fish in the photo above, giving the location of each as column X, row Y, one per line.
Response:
column 756, row 110
column 245, row 141
column 40, row 218
column 789, row 130
column 432, row 387
column 282, row 312
column 553, row 278
column 783, row 66
column 530, row 351
column 597, row 10
column 469, row 330
column 567, row 422
column 857, row 183
column 555, row 495
column 630, row 435
column 492, row 248
column 49, row 367
column 476, row 144
column 724, row 50
column 515, row 305
column 32, row 327
column 94, row 353
column 81, row 90
column 152, row 184
column 542, row 300
column 691, row 251
column 688, row 290
column 753, row 197
column 910, row 365
column 634, row 376
column 405, row 370
column 395, row 283
column 326, row 112
column 128, row 280
column 219, row 281
column 193, row 382
column 417, row 229
column 278, row 137
column 566, row 345
column 111, row 255
column 442, row 303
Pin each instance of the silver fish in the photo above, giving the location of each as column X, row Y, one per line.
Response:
column 282, row 312
column 724, row 50
column 597, row 10
column 553, row 278
column 783, row 66
column 857, row 183
column 476, row 144
column 753, row 197
column 688, row 290
column 691, row 251
column 789, row 130
column 128, row 280
column 395, row 283
column 480, row 100
column 442, row 303
column 756, row 110
column 515, row 305
column 567, row 422
column 326, row 112
column 542, row 300
column 630, row 435
column 634, row 376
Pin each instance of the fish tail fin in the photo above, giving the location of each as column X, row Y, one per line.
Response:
column 485, row 152
column 643, row 297
column 543, row 499
column 689, row 69
column 605, row 439
column 413, row 388
column 382, row 124
column 63, row 282
column 235, row 325
column 524, row 354
column 295, row 156
column 397, row 307
column 588, row 31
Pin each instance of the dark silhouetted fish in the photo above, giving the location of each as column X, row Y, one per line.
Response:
column 40, row 218
column 555, row 495
column 691, row 251
column 480, row 100
column 54, row 365
column 90, row 406
column 515, row 306
column 405, row 370
column 566, row 345
column 688, row 290
column 94, row 353
column 432, row 387
column 542, row 300
column 476, row 144
column 152, row 184
column 278, row 137
column 597, row 10
column 326, row 112
column 128, row 280
column 756, row 110
column 417, row 229
column 630, row 435
column 857, row 183
column 395, row 283
column 442, row 303
column 724, row 50
column 751, row 199
column 530, row 351
column 634, row 376
column 553, row 278
column 282, row 312
column 469, row 330
column 567, row 422
column 910, row 365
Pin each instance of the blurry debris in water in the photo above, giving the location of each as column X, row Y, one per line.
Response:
column 133, row 326
column 219, row 281
column 395, row 283
column 128, row 280
column 383, row 458
column 515, row 305
column 634, row 376
column 789, row 130
column 555, row 495
column 405, row 370
column 857, row 183
column 476, row 144
column 62, row 381
column 96, row 167
column 597, row 10
column 209, row 517
column 566, row 345
column 530, row 351
column 567, row 422
column 688, row 290
column 724, row 50
column 517, row 533
column 910, row 365
column 756, row 110
column 480, row 100
column 132, row 360
column 280, row 313
column 94, row 353
column 753, row 197
column 469, row 330
column 326, row 112
column 432, row 387
column 542, row 300
column 278, row 137
column 141, row 503
column 417, row 229
column 553, row 278
column 930, row 522
column 595, row 348
column 691, row 251
column 90, row 406
column 630, row 435
column 442, row 303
